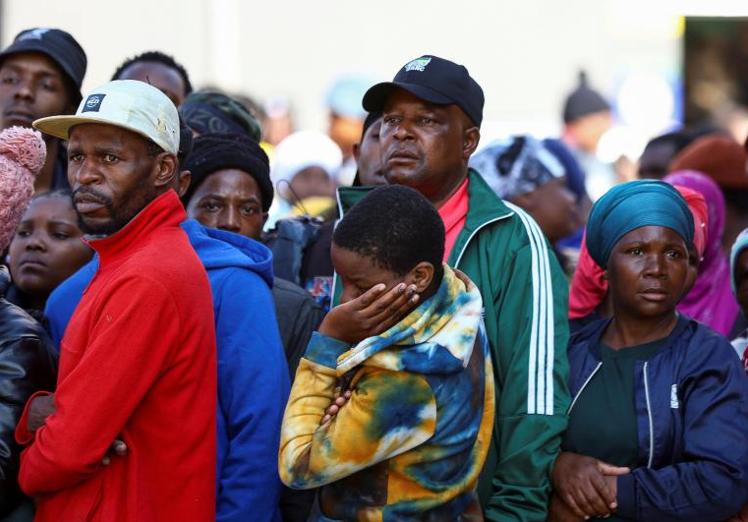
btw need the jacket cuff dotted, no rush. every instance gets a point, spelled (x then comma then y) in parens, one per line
(325, 350)
(23, 435)
(626, 496)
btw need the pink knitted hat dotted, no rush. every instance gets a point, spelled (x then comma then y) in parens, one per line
(22, 155)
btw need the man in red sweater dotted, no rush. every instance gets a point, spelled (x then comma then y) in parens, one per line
(137, 362)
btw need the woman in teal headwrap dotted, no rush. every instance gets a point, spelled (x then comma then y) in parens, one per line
(653, 391)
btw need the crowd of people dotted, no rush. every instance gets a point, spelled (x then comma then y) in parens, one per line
(208, 316)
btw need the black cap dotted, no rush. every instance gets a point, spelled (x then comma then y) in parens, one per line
(434, 80)
(583, 101)
(59, 45)
(214, 152)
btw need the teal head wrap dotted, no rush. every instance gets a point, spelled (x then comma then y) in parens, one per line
(633, 205)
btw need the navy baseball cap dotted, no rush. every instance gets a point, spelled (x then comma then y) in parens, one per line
(434, 80)
(58, 45)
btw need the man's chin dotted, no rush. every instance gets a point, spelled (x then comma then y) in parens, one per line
(407, 177)
(99, 227)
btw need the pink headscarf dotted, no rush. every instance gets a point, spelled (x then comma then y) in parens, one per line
(22, 155)
(711, 300)
(589, 286)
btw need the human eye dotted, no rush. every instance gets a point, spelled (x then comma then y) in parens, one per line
(635, 251)
(49, 85)
(74, 157)
(110, 158)
(675, 253)
(390, 120)
(8, 78)
(249, 210)
(22, 232)
(210, 206)
(426, 120)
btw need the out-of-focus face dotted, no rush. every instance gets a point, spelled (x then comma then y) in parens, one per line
(423, 145)
(741, 278)
(588, 130)
(31, 87)
(648, 272)
(47, 247)
(554, 208)
(165, 78)
(369, 157)
(345, 131)
(310, 182)
(113, 175)
(229, 199)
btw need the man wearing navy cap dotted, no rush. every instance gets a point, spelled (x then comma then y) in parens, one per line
(432, 112)
(40, 75)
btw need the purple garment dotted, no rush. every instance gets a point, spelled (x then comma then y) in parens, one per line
(711, 300)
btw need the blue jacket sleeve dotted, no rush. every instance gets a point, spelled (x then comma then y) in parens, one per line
(710, 481)
(253, 387)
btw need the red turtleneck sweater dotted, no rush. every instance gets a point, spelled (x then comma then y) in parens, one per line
(137, 363)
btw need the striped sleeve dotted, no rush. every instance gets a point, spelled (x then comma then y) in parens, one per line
(531, 371)
(542, 329)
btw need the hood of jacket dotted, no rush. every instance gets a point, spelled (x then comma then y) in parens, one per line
(222, 249)
(436, 338)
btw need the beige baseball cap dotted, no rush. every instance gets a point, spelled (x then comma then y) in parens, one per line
(129, 104)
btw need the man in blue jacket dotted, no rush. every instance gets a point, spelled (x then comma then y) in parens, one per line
(253, 381)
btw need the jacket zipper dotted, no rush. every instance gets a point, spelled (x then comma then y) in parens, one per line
(649, 416)
(472, 234)
(568, 412)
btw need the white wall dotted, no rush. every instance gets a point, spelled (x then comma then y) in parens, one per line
(524, 53)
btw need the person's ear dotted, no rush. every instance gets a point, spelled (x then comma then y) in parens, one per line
(605, 275)
(356, 151)
(185, 178)
(421, 275)
(264, 218)
(470, 140)
(166, 169)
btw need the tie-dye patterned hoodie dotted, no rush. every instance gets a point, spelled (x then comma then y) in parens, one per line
(412, 439)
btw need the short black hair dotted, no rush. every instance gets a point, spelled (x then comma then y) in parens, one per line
(157, 57)
(394, 226)
(64, 193)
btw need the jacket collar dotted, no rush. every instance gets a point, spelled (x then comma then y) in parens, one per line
(165, 210)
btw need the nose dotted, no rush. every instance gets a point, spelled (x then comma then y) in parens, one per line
(83, 173)
(655, 266)
(24, 91)
(229, 220)
(402, 131)
(35, 242)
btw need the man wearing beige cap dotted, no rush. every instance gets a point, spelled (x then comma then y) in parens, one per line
(137, 361)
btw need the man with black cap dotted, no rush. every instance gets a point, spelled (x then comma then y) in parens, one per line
(587, 116)
(432, 112)
(40, 75)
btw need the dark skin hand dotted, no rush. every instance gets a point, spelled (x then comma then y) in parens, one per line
(44, 406)
(369, 314)
(558, 511)
(586, 485)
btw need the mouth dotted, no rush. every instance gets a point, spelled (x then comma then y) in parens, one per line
(85, 205)
(656, 295)
(18, 116)
(32, 263)
(402, 156)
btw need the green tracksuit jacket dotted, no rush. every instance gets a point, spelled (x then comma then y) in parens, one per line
(525, 300)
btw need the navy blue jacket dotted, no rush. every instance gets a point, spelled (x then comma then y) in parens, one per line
(253, 380)
(692, 412)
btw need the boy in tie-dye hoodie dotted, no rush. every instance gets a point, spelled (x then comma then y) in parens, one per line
(407, 342)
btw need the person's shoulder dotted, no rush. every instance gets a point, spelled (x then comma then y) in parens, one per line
(16, 323)
(701, 347)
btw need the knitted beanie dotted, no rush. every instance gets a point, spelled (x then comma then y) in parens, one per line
(583, 101)
(22, 155)
(214, 152)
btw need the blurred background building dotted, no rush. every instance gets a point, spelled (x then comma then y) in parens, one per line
(660, 63)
